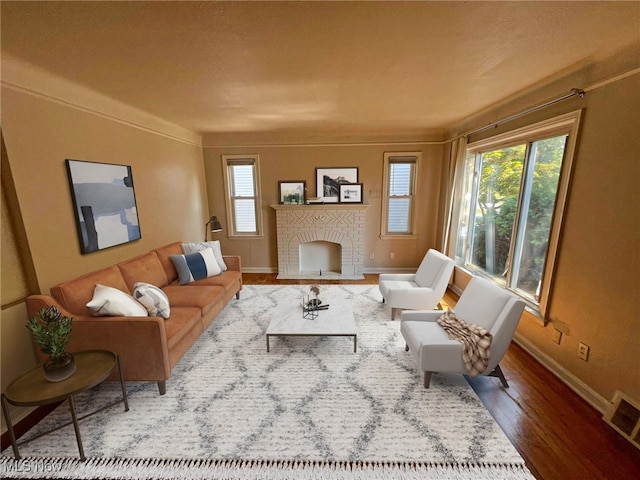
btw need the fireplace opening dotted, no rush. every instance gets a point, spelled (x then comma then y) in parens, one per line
(320, 256)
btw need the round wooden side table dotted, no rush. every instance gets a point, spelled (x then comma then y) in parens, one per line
(32, 389)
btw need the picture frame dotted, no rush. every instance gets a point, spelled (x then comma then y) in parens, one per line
(104, 204)
(350, 193)
(291, 192)
(329, 179)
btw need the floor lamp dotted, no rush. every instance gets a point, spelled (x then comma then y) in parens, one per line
(216, 226)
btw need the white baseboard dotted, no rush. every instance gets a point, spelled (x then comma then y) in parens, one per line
(364, 270)
(388, 270)
(259, 270)
(593, 398)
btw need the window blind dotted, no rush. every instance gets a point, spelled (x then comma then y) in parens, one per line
(401, 172)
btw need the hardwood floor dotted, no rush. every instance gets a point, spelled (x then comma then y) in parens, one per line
(559, 435)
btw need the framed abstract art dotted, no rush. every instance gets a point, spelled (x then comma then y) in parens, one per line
(104, 203)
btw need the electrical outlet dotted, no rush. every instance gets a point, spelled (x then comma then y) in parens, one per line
(371, 256)
(392, 255)
(557, 336)
(583, 351)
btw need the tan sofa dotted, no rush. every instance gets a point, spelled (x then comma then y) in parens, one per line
(149, 347)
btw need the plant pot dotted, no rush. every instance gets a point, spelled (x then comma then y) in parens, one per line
(61, 369)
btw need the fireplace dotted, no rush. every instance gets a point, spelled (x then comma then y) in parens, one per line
(320, 241)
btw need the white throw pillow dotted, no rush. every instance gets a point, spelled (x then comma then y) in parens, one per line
(195, 266)
(152, 298)
(109, 301)
(188, 248)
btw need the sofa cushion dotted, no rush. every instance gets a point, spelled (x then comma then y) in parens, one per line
(75, 294)
(153, 299)
(228, 280)
(184, 321)
(164, 254)
(196, 266)
(202, 297)
(188, 248)
(109, 301)
(144, 268)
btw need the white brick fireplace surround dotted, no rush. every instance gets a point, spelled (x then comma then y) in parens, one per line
(341, 224)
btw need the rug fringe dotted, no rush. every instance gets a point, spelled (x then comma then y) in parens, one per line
(193, 469)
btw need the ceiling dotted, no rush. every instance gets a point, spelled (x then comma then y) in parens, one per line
(335, 68)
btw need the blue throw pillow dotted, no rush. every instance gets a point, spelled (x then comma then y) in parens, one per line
(195, 266)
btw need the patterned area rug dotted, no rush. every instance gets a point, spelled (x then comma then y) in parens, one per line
(310, 408)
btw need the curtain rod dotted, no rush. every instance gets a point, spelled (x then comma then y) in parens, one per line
(575, 92)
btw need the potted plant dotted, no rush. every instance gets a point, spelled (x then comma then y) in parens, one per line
(51, 332)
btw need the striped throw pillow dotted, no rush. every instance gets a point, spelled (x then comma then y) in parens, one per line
(195, 266)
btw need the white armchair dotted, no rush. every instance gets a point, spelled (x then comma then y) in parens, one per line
(421, 290)
(482, 303)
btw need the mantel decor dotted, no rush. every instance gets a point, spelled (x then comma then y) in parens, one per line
(328, 181)
(104, 203)
(350, 193)
(292, 191)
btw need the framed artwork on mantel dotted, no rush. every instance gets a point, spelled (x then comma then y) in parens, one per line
(328, 181)
(350, 193)
(104, 204)
(291, 192)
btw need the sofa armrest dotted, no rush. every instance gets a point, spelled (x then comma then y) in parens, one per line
(141, 342)
(233, 262)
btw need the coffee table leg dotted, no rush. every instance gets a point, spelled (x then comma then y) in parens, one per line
(267, 343)
(76, 427)
(12, 435)
(355, 343)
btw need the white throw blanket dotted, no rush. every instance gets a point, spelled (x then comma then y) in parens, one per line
(476, 341)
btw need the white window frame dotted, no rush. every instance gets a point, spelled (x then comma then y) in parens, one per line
(390, 158)
(567, 124)
(228, 161)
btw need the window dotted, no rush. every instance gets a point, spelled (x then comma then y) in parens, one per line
(512, 193)
(243, 195)
(400, 174)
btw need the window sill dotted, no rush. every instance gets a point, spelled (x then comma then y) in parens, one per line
(245, 237)
(410, 236)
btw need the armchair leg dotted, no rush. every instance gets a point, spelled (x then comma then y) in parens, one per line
(497, 372)
(427, 379)
(406, 347)
(382, 299)
(393, 313)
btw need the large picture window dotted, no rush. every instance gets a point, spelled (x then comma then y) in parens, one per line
(512, 193)
(243, 195)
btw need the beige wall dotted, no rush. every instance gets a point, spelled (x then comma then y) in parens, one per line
(299, 163)
(596, 294)
(40, 133)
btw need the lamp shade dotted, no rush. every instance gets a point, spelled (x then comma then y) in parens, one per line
(215, 224)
